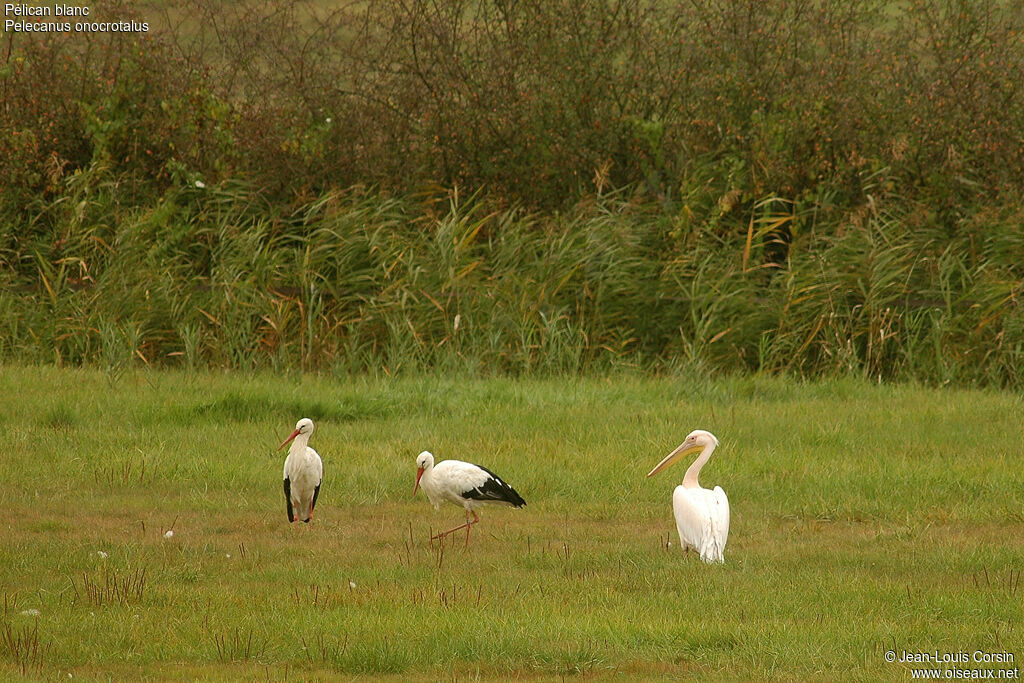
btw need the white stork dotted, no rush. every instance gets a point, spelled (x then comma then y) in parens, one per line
(462, 483)
(303, 471)
(702, 516)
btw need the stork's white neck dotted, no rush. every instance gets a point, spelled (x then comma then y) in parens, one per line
(299, 445)
(690, 479)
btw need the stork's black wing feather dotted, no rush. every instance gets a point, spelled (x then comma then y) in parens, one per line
(494, 489)
(288, 498)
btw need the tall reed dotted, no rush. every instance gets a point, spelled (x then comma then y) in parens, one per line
(358, 281)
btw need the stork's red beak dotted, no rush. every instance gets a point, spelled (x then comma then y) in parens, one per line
(288, 440)
(419, 473)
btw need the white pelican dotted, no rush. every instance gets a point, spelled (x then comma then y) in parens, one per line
(303, 471)
(702, 516)
(463, 484)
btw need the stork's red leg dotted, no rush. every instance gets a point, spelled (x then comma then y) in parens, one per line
(469, 524)
(466, 526)
(441, 535)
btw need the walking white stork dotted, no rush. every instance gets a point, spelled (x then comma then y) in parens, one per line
(462, 483)
(702, 516)
(303, 471)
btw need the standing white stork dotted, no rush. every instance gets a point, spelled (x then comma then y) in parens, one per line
(464, 484)
(702, 516)
(303, 471)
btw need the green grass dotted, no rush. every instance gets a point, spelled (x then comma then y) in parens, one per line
(864, 518)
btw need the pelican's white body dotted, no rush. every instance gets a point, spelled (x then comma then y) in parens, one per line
(304, 470)
(702, 519)
(702, 515)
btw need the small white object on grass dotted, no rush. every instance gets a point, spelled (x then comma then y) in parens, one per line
(102, 554)
(351, 584)
(169, 533)
(200, 184)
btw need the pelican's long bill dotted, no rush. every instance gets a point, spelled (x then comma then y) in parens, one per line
(288, 440)
(419, 473)
(678, 453)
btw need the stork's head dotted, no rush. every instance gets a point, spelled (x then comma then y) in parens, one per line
(424, 461)
(303, 426)
(695, 441)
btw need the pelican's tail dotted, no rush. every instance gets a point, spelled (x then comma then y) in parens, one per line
(711, 552)
(716, 533)
(712, 544)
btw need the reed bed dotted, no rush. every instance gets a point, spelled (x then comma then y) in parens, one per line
(357, 282)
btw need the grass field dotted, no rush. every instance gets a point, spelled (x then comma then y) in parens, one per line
(864, 518)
